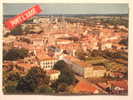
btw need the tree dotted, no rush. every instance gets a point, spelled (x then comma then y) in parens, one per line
(96, 53)
(10, 89)
(35, 78)
(60, 65)
(13, 76)
(25, 40)
(4, 54)
(17, 31)
(67, 76)
(10, 80)
(62, 87)
(16, 53)
(45, 89)
(26, 85)
(39, 75)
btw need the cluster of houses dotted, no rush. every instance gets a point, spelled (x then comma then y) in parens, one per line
(55, 43)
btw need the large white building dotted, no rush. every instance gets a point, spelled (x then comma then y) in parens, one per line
(83, 68)
(46, 62)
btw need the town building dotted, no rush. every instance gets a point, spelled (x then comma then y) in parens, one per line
(47, 63)
(24, 67)
(119, 86)
(84, 68)
(8, 65)
(53, 74)
(63, 41)
(98, 71)
(116, 75)
(106, 46)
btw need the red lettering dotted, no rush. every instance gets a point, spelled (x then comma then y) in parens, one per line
(21, 18)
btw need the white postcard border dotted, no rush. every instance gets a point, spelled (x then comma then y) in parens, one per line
(96, 97)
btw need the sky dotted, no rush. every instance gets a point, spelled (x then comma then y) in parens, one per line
(68, 8)
(67, 1)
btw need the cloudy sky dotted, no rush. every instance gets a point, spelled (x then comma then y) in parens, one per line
(68, 8)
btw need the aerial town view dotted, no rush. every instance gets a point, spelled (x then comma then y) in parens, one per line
(68, 54)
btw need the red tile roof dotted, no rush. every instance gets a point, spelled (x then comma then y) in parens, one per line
(7, 63)
(86, 87)
(117, 74)
(52, 71)
(103, 85)
(42, 57)
(99, 68)
(120, 83)
(78, 61)
(26, 65)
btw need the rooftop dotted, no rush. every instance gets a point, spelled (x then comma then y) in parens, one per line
(7, 63)
(99, 68)
(77, 61)
(52, 71)
(42, 57)
(86, 87)
(121, 83)
(26, 65)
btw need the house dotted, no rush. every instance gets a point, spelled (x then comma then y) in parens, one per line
(25, 66)
(45, 61)
(123, 84)
(119, 86)
(25, 45)
(63, 41)
(117, 74)
(119, 47)
(53, 74)
(35, 29)
(107, 45)
(104, 85)
(99, 71)
(38, 42)
(9, 39)
(8, 65)
(85, 87)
